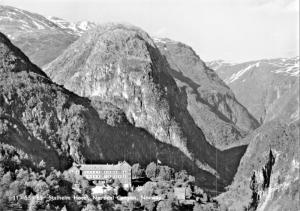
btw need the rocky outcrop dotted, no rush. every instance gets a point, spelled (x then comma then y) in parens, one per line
(273, 158)
(210, 102)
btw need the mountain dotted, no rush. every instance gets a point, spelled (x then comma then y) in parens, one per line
(273, 157)
(50, 123)
(222, 119)
(268, 174)
(41, 38)
(268, 88)
(210, 102)
(121, 65)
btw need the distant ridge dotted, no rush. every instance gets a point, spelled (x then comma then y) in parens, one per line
(42, 39)
(268, 88)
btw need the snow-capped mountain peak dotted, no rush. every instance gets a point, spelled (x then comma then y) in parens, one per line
(17, 21)
(22, 20)
(41, 38)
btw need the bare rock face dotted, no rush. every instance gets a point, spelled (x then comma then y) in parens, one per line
(209, 101)
(50, 123)
(273, 157)
(121, 65)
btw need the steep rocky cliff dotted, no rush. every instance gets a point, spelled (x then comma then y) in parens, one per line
(120, 64)
(209, 101)
(269, 88)
(268, 176)
(53, 124)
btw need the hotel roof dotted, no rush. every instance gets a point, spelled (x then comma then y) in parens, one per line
(120, 165)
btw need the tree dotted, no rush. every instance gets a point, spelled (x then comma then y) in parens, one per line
(182, 175)
(149, 205)
(191, 179)
(200, 194)
(5, 181)
(188, 192)
(108, 206)
(90, 207)
(41, 188)
(42, 165)
(198, 207)
(152, 170)
(22, 175)
(166, 173)
(52, 178)
(133, 205)
(137, 171)
(2, 172)
(15, 188)
(33, 204)
(85, 186)
(149, 188)
(65, 187)
(168, 205)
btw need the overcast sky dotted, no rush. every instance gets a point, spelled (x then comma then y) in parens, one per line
(233, 30)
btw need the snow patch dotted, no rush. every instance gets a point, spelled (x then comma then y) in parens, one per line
(76, 28)
(8, 18)
(292, 70)
(159, 40)
(85, 25)
(39, 26)
(237, 75)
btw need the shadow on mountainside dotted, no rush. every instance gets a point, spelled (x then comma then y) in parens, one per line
(225, 162)
(126, 142)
